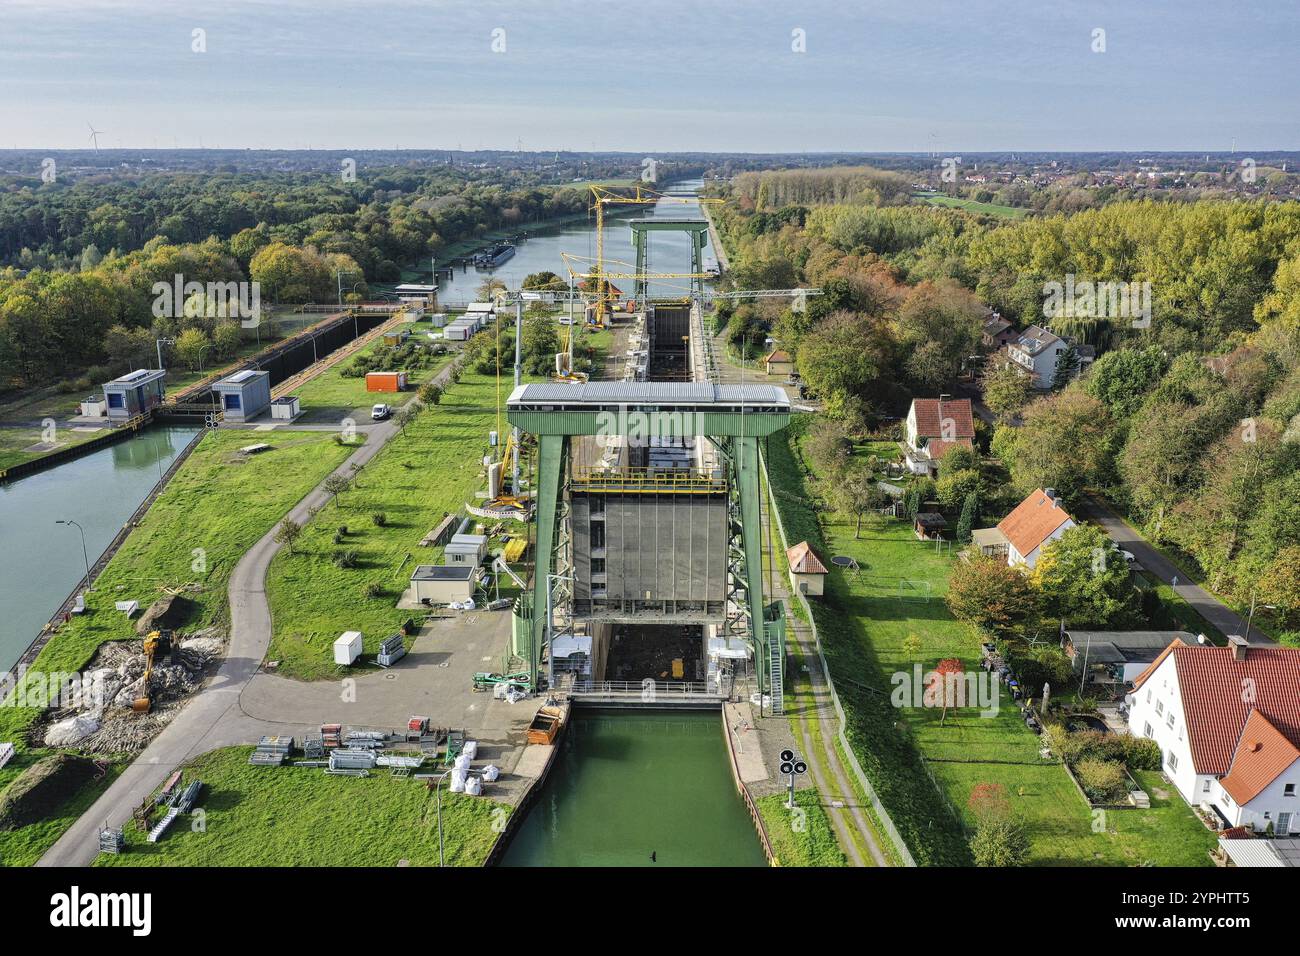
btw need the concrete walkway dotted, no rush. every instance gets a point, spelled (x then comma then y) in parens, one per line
(1203, 602)
(214, 717)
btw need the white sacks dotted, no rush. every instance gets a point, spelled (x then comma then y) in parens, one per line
(470, 748)
(490, 773)
(457, 780)
(474, 786)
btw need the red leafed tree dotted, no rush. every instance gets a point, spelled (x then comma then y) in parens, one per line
(944, 686)
(988, 801)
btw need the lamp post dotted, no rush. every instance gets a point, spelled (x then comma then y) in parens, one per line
(1251, 616)
(84, 556)
(160, 343)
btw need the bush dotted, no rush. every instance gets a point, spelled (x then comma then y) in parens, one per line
(1102, 781)
(374, 589)
(1000, 842)
(345, 559)
(379, 519)
(338, 537)
(1141, 753)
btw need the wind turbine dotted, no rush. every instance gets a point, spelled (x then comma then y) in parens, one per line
(94, 136)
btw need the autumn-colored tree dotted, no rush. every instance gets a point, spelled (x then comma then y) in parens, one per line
(985, 593)
(989, 801)
(945, 685)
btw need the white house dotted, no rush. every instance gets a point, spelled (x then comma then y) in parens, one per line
(935, 426)
(1034, 523)
(1036, 350)
(1227, 720)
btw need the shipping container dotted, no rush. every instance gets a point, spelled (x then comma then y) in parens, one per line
(385, 381)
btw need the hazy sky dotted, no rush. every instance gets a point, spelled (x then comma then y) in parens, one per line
(646, 76)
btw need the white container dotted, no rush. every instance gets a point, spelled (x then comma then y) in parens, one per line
(347, 648)
(470, 749)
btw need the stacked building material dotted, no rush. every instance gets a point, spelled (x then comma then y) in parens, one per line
(313, 746)
(332, 735)
(392, 650)
(190, 797)
(342, 759)
(365, 739)
(271, 751)
(112, 840)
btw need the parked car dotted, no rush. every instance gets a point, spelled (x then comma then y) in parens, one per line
(380, 412)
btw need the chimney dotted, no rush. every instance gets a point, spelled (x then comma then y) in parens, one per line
(1238, 645)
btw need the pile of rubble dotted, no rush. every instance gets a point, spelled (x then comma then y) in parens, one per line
(100, 719)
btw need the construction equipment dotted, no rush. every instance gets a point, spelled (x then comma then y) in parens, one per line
(455, 744)
(155, 644)
(485, 680)
(501, 504)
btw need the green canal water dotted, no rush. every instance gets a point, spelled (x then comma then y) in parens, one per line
(630, 784)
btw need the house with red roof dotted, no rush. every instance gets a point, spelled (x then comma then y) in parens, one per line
(1227, 720)
(807, 573)
(1021, 536)
(935, 426)
(779, 362)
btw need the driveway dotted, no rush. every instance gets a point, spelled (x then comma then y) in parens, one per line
(1205, 604)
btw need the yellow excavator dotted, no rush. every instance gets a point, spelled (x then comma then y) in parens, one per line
(156, 644)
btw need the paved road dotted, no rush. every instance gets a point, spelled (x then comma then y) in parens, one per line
(1207, 605)
(214, 717)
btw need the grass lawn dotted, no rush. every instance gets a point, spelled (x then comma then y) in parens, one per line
(23, 847)
(300, 816)
(218, 502)
(15, 441)
(864, 621)
(331, 395)
(803, 840)
(970, 205)
(432, 470)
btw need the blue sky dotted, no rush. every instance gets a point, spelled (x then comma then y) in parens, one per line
(652, 76)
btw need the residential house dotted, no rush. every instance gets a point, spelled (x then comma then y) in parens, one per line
(1032, 525)
(998, 332)
(1227, 720)
(1117, 657)
(807, 573)
(934, 426)
(778, 362)
(1036, 350)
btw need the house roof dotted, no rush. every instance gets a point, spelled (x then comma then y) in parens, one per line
(1214, 689)
(995, 325)
(1036, 338)
(1124, 647)
(1033, 521)
(936, 448)
(778, 355)
(1262, 753)
(930, 414)
(803, 560)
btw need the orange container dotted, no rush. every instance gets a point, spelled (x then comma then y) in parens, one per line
(385, 381)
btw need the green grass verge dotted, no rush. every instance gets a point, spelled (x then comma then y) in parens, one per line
(213, 510)
(331, 390)
(23, 847)
(805, 838)
(300, 816)
(431, 470)
(14, 443)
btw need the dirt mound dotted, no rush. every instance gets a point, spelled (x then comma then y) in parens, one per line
(44, 787)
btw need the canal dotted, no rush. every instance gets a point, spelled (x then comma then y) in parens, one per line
(41, 562)
(541, 251)
(630, 784)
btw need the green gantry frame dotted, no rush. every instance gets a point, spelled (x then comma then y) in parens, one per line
(697, 229)
(736, 435)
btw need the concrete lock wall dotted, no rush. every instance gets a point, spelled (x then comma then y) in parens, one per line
(663, 554)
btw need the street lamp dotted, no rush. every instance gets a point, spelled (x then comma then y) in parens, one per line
(84, 556)
(159, 343)
(1251, 616)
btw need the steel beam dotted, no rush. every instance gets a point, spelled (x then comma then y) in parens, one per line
(551, 453)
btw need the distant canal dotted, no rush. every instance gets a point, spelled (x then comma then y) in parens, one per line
(540, 252)
(629, 785)
(41, 562)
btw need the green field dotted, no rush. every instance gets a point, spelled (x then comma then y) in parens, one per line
(970, 205)
(864, 620)
(14, 443)
(299, 816)
(23, 847)
(431, 470)
(214, 509)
